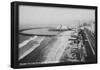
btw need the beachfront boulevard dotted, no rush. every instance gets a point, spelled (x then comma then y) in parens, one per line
(66, 46)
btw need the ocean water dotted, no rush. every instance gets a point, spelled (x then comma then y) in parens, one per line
(44, 31)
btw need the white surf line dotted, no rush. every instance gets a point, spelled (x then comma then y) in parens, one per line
(31, 49)
(26, 41)
(54, 54)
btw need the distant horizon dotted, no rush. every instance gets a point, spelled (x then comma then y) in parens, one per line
(72, 23)
(39, 16)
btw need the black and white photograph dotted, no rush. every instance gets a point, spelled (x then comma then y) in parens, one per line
(47, 34)
(56, 35)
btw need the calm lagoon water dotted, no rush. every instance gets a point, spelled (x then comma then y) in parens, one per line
(41, 32)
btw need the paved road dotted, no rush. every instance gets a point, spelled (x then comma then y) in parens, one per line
(91, 40)
(90, 45)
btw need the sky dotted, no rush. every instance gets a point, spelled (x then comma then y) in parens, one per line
(37, 15)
